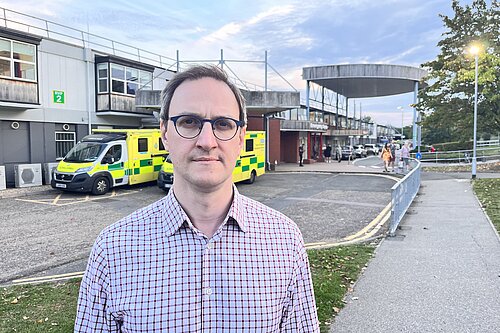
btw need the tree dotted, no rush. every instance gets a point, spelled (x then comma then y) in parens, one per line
(448, 101)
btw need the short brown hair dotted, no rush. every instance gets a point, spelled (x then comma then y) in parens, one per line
(196, 73)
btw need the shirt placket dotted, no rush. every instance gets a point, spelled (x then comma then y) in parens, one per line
(207, 286)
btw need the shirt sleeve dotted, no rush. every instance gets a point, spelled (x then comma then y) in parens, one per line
(93, 314)
(301, 314)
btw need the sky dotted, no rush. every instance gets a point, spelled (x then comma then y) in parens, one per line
(295, 34)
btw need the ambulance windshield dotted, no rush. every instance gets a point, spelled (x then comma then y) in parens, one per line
(84, 152)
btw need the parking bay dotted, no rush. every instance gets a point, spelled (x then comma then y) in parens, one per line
(41, 233)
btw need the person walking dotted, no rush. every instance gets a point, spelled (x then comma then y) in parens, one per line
(393, 154)
(405, 156)
(328, 154)
(301, 155)
(386, 156)
(204, 258)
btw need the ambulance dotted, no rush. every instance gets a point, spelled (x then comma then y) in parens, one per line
(249, 166)
(110, 158)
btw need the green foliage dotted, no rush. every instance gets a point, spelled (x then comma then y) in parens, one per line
(448, 101)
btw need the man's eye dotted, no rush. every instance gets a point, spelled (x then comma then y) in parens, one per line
(188, 122)
(224, 124)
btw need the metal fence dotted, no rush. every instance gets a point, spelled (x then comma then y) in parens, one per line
(484, 154)
(403, 193)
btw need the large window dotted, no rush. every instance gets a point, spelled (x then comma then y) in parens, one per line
(64, 142)
(124, 80)
(17, 60)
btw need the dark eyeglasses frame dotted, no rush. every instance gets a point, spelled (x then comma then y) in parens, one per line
(239, 123)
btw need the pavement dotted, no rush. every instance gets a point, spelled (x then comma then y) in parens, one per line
(440, 273)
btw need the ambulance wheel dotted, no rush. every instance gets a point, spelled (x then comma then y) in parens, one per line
(101, 186)
(253, 175)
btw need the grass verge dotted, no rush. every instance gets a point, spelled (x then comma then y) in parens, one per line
(46, 307)
(51, 307)
(487, 191)
(334, 271)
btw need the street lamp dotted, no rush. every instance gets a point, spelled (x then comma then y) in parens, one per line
(474, 49)
(402, 120)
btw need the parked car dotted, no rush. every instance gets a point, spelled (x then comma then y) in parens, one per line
(371, 149)
(348, 153)
(360, 151)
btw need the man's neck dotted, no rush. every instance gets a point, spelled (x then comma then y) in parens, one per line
(206, 210)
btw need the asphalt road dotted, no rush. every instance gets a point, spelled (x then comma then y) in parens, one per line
(52, 232)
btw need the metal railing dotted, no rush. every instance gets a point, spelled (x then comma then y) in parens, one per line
(461, 156)
(403, 193)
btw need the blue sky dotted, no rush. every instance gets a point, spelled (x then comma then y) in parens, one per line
(296, 34)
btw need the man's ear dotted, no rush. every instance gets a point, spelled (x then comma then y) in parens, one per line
(243, 131)
(163, 130)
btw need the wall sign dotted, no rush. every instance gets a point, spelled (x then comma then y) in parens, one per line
(58, 96)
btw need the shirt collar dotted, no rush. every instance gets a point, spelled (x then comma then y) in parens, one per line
(175, 216)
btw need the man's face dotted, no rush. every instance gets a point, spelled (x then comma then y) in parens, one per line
(203, 162)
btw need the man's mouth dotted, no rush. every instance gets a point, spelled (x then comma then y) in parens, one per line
(205, 159)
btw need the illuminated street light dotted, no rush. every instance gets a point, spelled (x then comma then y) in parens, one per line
(474, 50)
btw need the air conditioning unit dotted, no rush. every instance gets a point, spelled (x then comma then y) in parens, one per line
(27, 175)
(2, 178)
(47, 171)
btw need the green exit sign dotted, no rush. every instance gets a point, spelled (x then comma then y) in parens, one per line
(58, 96)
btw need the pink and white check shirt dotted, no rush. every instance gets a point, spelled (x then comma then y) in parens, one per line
(153, 271)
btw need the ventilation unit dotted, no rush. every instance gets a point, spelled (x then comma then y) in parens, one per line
(47, 171)
(2, 178)
(27, 175)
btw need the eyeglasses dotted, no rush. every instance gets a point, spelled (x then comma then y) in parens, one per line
(189, 126)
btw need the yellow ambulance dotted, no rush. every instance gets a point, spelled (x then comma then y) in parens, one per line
(250, 165)
(110, 158)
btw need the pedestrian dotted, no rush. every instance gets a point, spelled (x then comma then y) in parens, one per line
(204, 258)
(339, 153)
(386, 156)
(328, 154)
(301, 155)
(393, 154)
(405, 156)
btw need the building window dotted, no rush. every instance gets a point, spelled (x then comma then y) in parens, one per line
(102, 77)
(17, 60)
(64, 142)
(124, 80)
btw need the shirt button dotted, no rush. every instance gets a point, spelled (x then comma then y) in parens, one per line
(210, 246)
(208, 291)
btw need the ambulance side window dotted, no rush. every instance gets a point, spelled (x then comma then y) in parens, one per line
(160, 144)
(142, 145)
(249, 145)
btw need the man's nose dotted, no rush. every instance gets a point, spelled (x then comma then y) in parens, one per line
(207, 138)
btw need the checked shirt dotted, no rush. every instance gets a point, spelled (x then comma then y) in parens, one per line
(153, 271)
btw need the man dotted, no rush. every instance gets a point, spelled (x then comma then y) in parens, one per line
(204, 258)
(301, 155)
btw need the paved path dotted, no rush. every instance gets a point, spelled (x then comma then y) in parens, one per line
(441, 273)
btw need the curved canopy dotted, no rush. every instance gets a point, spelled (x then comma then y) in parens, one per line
(366, 80)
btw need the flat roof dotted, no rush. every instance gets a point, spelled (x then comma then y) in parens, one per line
(366, 80)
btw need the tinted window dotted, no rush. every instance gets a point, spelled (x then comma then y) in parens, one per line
(143, 145)
(249, 145)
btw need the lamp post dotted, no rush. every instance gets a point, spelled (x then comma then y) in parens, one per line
(475, 51)
(402, 120)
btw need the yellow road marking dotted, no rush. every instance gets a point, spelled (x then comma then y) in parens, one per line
(371, 224)
(56, 199)
(41, 279)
